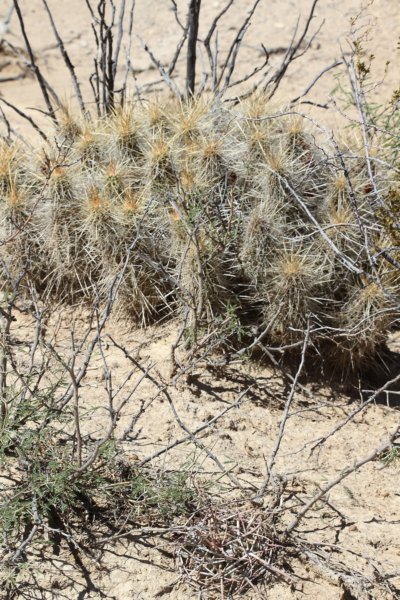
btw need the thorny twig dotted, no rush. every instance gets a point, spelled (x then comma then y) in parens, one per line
(26, 117)
(33, 65)
(285, 416)
(66, 58)
(354, 413)
(345, 473)
(191, 435)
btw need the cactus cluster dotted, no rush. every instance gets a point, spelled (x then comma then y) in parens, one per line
(224, 210)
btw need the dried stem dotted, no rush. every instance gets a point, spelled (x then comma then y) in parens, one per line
(33, 64)
(345, 473)
(285, 416)
(66, 58)
(193, 28)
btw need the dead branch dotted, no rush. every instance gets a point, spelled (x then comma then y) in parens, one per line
(7, 124)
(193, 28)
(118, 43)
(66, 58)
(178, 50)
(164, 74)
(5, 23)
(291, 55)
(254, 72)
(26, 117)
(352, 415)
(233, 51)
(213, 58)
(176, 15)
(236, 404)
(345, 473)
(12, 78)
(115, 285)
(129, 49)
(285, 415)
(103, 78)
(335, 64)
(33, 65)
(192, 437)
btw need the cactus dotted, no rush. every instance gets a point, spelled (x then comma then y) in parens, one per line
(225, 210)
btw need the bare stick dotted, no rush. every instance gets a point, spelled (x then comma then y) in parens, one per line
(163, 389)
(4, 24)
(170, 83)
(119, 38)
(213, 58)
(193, 29)
(129, 47)
(348, 262)
(177, 19)
(359, 99)
(233, 50)
(91, 10)
(8, 318)
(75, 386)
(254, 72)
(12, 78)
(355, 413)
(24, 544)
(285, 415)
(114, 414)
(345, 473)
(27, 117)
(7, 124)
(179, 47)
(115, 285)
(33, 64)
(103, 78)
(66, 58)
(199, 429)
(291, 55)
(335, 64)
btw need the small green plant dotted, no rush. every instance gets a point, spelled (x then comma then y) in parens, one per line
(168, 496)
(390, 457)
(60, 482)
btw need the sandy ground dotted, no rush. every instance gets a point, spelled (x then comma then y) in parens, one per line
(369, 501)
(361, 521)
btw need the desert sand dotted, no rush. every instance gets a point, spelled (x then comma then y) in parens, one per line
(361, 524)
